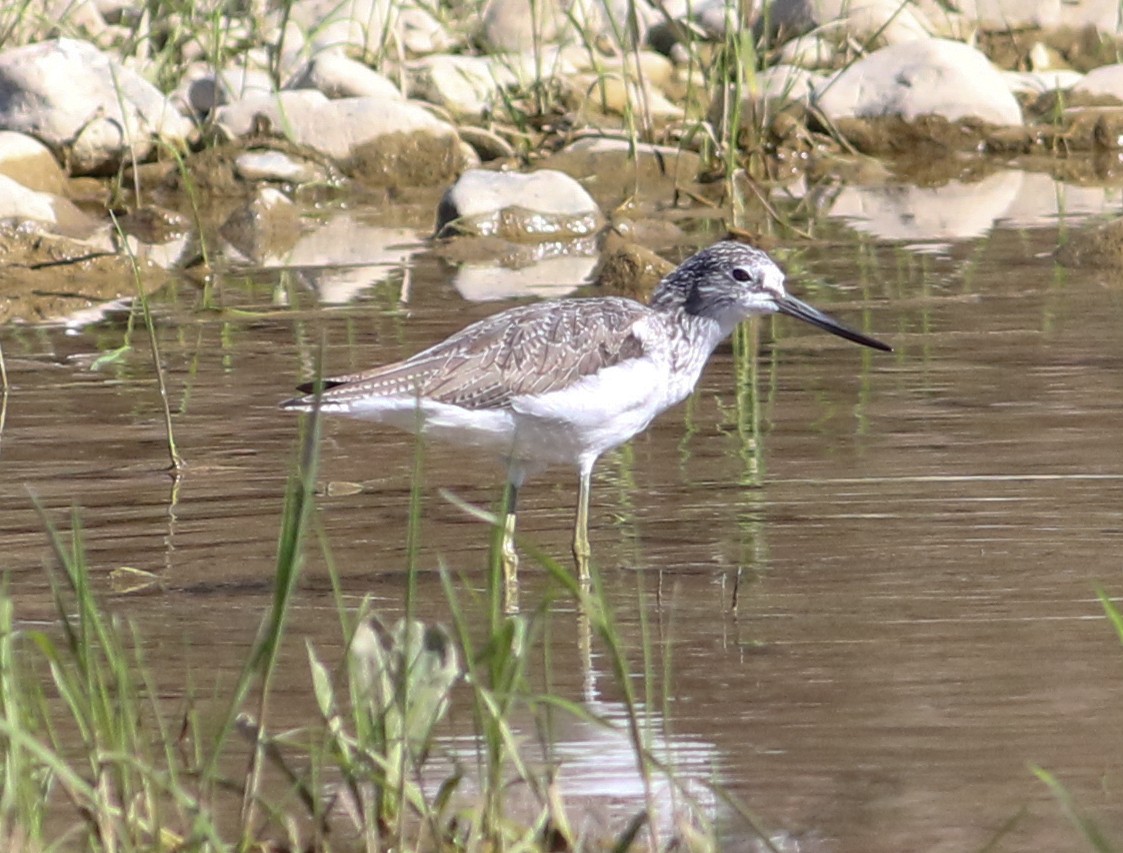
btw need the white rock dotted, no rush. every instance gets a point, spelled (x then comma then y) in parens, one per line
(339, 76)
(201, 89)
(809, 51)
(954, 211)
(275, 166)
(519, 26)
(785, 83)
(551, 277)
(892, 21)
(1012, 14)
(538, 206)
(713, 17)
(615, 94)
(921, 78)
(1039, 82)
(369, 27)
(1044, 202)
(53, 90)
(30, 162)
(344, 257)
(30, 21)
(467, 86)
(620, 23)
(1107, 80)
(268, 223)
(21, 205)
(421, 33)
(335, 128)
(1104, 15)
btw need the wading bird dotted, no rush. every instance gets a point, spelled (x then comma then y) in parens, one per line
(560, 382)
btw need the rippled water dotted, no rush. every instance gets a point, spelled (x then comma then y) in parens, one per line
(913, 541)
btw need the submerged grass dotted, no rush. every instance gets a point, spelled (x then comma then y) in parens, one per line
(91, 756)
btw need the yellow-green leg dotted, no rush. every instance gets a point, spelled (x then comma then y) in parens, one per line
(507, 549)
(581, 550)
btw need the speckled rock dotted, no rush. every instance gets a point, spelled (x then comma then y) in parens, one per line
(66, 91)
(927, 77)
(540, 206)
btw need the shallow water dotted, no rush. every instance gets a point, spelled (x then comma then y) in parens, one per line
(913, 541)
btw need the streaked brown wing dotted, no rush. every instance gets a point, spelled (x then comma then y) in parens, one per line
(532, 349)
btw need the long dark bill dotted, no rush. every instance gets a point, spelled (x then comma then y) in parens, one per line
(802, 311)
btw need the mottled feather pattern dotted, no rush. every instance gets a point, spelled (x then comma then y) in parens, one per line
(521, 351)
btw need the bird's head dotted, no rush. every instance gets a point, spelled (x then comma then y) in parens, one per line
(729, 282)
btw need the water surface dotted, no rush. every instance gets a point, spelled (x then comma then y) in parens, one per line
(913, 542)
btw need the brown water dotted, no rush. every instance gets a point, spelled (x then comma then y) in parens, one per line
(916, 539)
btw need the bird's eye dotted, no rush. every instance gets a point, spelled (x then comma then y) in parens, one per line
(741, 274)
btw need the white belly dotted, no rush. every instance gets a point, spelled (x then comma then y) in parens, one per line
(569, 427)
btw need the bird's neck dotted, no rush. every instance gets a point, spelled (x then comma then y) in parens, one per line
(706, 320)
(691, 339)
(704, 332)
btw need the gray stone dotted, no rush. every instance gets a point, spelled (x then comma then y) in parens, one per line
(540, 206)
(926, 77)
(57, 89)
